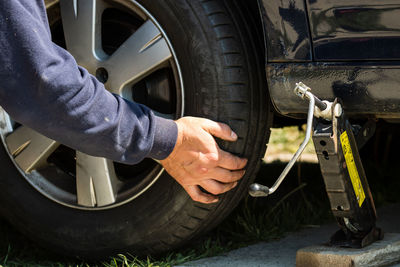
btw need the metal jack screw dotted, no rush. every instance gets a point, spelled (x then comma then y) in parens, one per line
(304, 92)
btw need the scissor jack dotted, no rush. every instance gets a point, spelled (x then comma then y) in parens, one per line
(337, 149)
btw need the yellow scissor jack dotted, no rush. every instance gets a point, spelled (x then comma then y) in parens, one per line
(345, 181)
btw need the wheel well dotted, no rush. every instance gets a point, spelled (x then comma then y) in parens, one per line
(253, 13)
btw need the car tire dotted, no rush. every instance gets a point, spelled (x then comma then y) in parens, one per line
(222, 62)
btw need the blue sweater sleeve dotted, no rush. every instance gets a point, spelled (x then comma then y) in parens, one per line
(42, 86)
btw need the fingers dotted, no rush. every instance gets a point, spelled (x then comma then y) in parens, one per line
(228, 161)
(197, 195)
(197, 162)
(217, 188)
(211, 186)
(220, 130)
(225, 176)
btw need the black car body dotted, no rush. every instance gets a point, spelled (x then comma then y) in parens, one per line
(346, 49)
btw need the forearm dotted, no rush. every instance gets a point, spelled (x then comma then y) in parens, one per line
(42, 87)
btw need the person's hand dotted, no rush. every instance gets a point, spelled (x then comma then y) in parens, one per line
(196, 159)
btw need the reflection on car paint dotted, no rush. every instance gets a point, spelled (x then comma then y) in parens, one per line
(349, 30)
(367, 90)
(287, 33)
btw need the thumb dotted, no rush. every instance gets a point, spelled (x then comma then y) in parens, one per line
(220, 130)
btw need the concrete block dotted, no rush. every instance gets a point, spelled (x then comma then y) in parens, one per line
(381, 253)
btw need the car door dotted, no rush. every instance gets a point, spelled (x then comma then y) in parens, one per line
(354, 30)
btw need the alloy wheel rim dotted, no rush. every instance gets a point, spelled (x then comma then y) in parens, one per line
(99, 183)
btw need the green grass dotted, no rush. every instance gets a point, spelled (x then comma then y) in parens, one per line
(300, 202)
(288, 140)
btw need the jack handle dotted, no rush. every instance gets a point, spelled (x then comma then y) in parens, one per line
(304, 92)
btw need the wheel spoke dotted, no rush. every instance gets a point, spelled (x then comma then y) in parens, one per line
(29, 148)
(140, 54)
(96, 180)
(82, 29)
